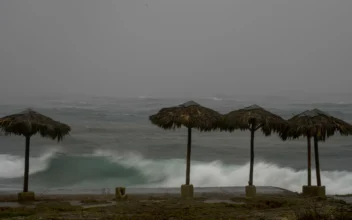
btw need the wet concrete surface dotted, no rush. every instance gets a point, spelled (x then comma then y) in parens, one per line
(347, 199)
(234, 191)
(222, 201)
(98, 205)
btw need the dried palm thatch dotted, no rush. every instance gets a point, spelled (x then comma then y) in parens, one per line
(318, 125)
(29, 123)
(253, 118)
(190, 115)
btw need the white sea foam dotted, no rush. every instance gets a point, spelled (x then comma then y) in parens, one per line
(12, 166)
(171, 173)
(218, 174)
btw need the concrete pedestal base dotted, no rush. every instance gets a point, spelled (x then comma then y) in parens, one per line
(120, 193)
(318, 191)
(251, 191)
(26, 197)
(187, 191)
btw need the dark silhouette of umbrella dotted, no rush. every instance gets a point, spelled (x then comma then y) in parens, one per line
(253, 118)
(190, 115)
(318, 125)
(29, 123)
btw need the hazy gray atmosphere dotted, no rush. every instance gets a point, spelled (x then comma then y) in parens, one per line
(105, 66)
(175, 47)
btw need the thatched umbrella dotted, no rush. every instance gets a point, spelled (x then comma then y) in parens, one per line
(29, 123)
(253, 118)
(191, 115)
(318, 125)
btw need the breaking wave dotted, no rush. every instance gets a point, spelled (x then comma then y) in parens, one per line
(109, 169)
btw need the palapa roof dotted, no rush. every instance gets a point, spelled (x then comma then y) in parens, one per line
(244, 118)
(189, 114)
(29, 122)
(316, 122)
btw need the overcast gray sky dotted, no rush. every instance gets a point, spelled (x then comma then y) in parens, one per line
(175, 47)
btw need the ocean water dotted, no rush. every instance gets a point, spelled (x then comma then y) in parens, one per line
(113, 143)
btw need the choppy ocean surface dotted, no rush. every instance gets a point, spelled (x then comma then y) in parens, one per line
(113, 143)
